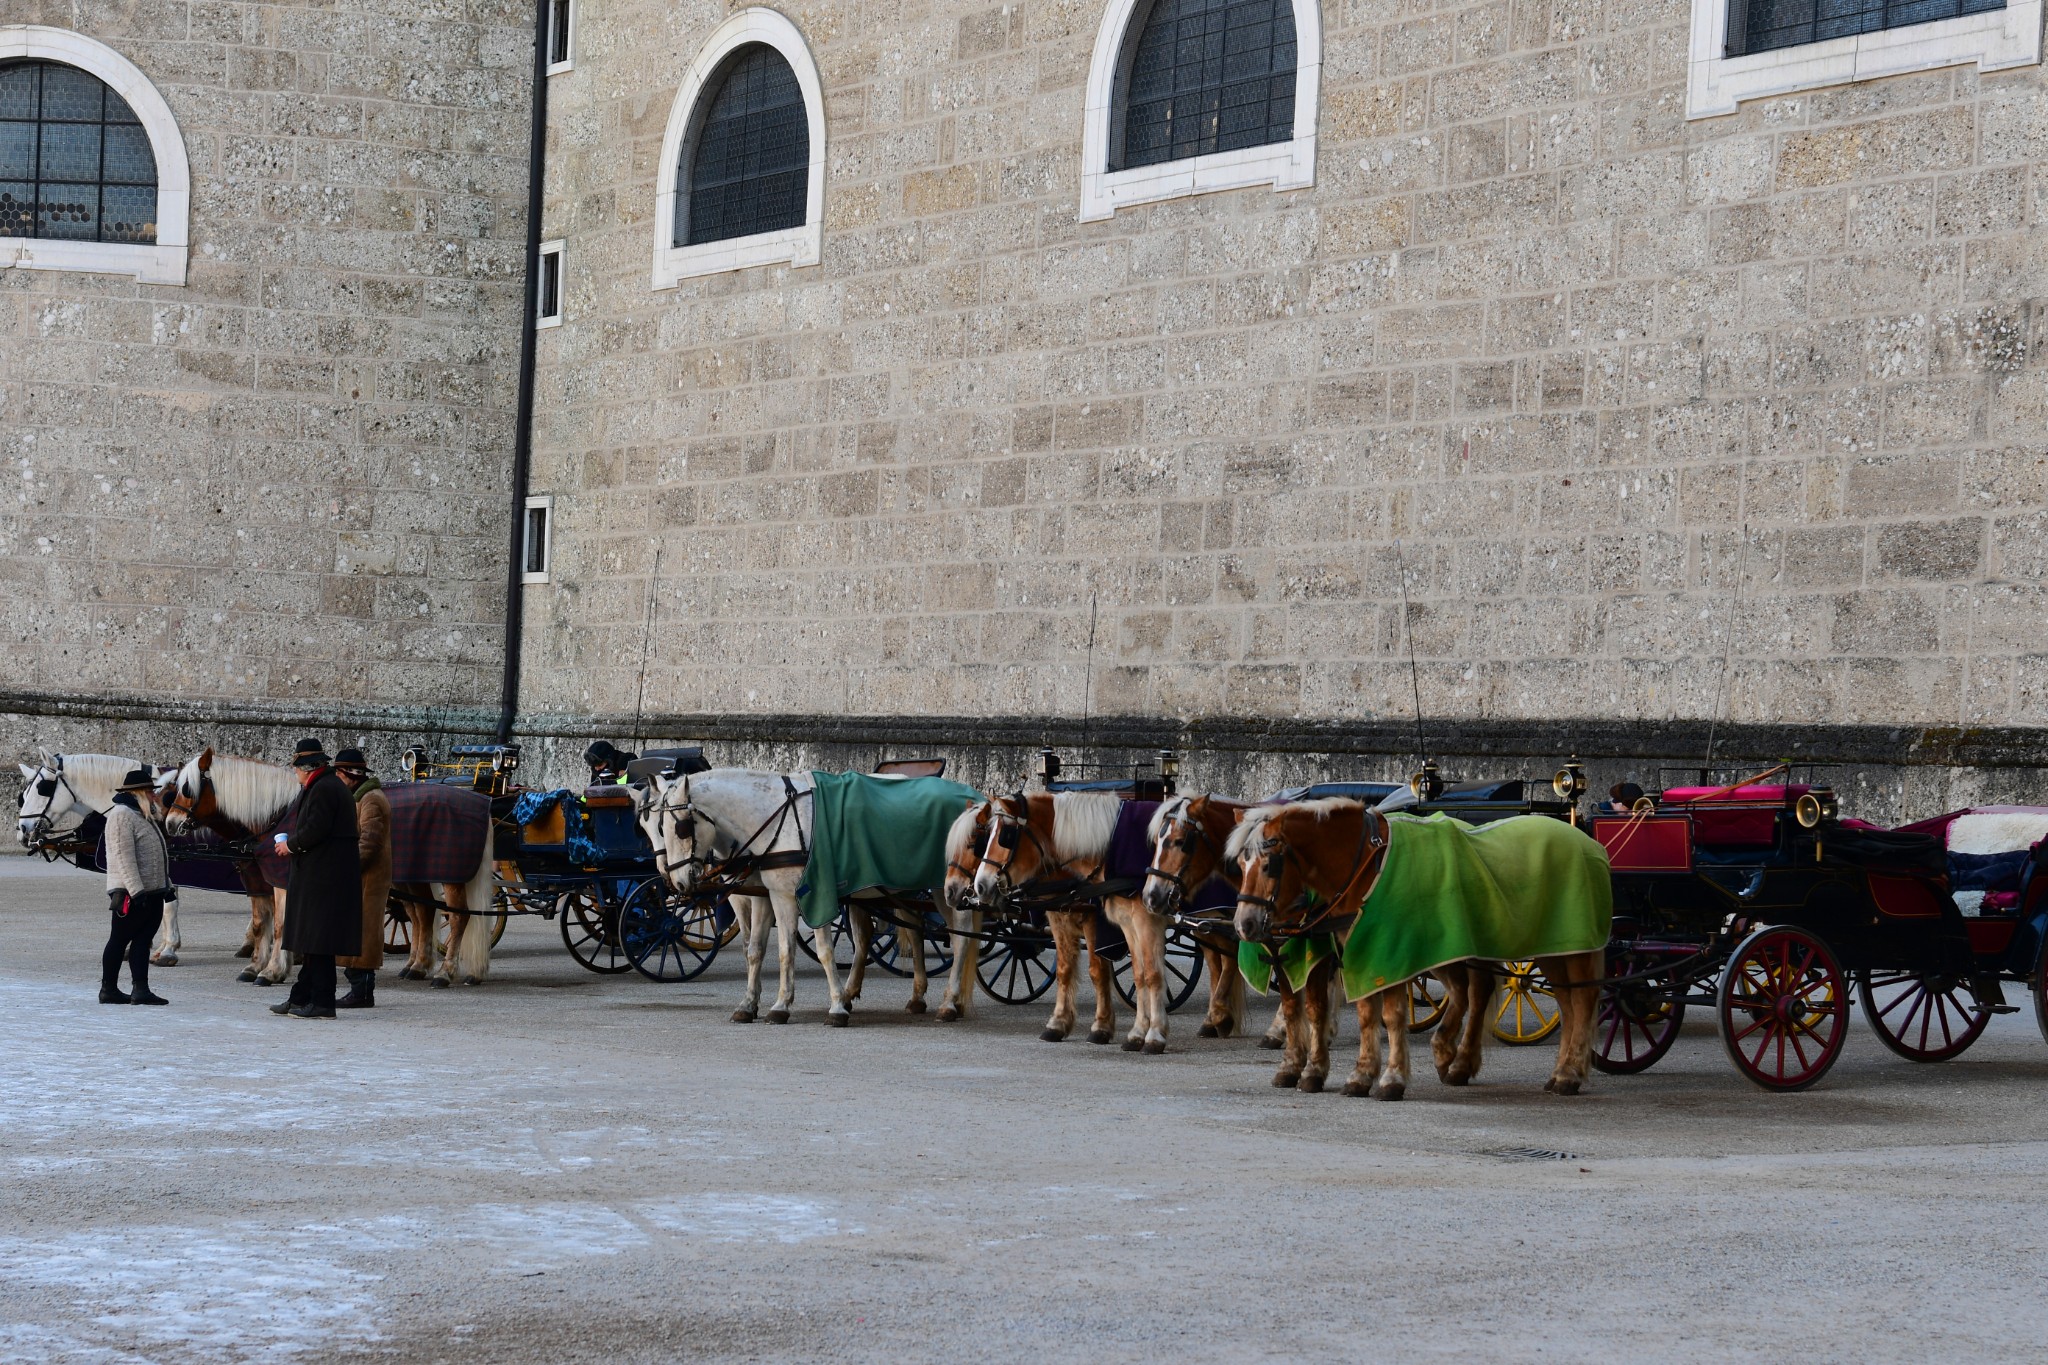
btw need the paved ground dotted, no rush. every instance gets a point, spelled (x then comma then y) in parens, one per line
(560, 1167)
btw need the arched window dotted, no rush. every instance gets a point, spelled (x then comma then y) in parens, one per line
(1189, 96)
(93, 173)
(742, 174)
(750, 153)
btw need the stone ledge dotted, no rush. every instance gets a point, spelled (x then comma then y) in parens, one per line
(397, 720)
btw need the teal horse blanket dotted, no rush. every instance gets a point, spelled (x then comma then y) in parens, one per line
(876, 832)
(1507, 891)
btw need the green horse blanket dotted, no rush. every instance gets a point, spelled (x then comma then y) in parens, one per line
(876, 832)
(1507, 891)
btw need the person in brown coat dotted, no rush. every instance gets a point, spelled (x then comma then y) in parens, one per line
(373, 851)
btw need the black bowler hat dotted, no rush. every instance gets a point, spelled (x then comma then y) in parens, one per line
(309, 754)
(352, 758)
(138, 780)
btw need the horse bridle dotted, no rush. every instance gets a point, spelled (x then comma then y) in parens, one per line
(1009, 832)
(45, 828)
(1273, 855)
(664, 813)
(1194, 839)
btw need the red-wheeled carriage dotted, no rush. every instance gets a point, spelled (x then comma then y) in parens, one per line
(1755, 900)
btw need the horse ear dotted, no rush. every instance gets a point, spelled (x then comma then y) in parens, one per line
(206, 759)
(28, 774)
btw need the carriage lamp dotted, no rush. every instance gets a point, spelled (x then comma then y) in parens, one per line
(1570, 782)
(414, 761)
(1048, 767)
(1169, 768)
(506, 759)
(1812, 808)
(1427, 784)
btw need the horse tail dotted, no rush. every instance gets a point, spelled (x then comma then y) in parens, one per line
(474, 958)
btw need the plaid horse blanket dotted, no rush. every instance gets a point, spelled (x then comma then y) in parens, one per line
(869, 831)
(1514, 889)
(437, 834)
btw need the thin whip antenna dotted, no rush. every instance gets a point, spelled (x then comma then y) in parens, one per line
(1727, 648)
(1088, 683)
(647, 641)
(1414, 674)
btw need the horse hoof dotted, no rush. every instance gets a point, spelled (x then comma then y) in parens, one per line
(914, 1007)
(168, 961)
(1286, 1080)
(1270, 1044)
(441, 983)
(743, 1016)
(839, 1020)
(1099, 1036)
(1207, 1031)
(1563, 1087)
(1357, 1089)
(1155, 1046)
(1310, 1085)
(472, 981)
(947, 1014)
(1130, 1044)
(1390, 1092)
(248, 974)
(1052, 1035)
(246, 950)
(778, 1016)
(1456, 1075)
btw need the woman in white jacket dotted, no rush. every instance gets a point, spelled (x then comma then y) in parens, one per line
(138, 884)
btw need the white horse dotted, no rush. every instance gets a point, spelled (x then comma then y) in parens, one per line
(63, 792)
(757, 815)
(240, 798)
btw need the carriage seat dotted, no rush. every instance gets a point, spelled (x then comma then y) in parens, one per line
(1746, 818)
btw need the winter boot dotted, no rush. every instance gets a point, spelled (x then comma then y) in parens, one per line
(114, 995)
(362, 989)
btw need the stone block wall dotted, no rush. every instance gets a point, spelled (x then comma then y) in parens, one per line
(1656, 419)
(276, 497)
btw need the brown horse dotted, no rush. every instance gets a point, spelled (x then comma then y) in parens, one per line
(963, 860)
(1188, 836)
(1046, 841)
(1308, 867)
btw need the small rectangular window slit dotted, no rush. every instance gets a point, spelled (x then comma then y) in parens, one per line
(561, 33)
(547, 293)
(537, 541)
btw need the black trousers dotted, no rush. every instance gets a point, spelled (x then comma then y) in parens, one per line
(315, 986)
(136, 920)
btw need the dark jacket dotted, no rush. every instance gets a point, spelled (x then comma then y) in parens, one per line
(323, 910)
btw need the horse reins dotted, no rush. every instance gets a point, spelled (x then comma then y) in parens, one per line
(1273, 853)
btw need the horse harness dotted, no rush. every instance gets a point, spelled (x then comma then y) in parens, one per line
(1273, 856)
(738, 872)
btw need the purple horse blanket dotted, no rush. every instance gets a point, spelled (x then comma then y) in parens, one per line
(437, 834)
(1130, 854)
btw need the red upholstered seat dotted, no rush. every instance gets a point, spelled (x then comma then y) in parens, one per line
(1746, 817)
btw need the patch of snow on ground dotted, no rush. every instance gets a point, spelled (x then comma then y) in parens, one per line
(742, 1218)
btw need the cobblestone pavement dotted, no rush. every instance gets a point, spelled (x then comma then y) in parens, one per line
(563, 1167)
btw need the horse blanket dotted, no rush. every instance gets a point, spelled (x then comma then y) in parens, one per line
(1130, 855)
(437, 834)
(1510, 890)
(869, 831)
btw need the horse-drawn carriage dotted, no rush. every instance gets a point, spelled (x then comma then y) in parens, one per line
(1754, 899)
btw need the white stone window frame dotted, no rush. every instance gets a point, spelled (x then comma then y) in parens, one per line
(1715, 83)
(1289, 165)
(566, 9)
(544, 503)
(542, 320)
(161, 262)
(796, 246)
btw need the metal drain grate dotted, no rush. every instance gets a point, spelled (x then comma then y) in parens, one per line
(1533, 1154)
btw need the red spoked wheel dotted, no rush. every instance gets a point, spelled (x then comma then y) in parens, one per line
(1784, 1008)
(1922, 1017)
(1638, 1021)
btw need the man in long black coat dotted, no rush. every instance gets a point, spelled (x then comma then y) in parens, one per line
(323, 908)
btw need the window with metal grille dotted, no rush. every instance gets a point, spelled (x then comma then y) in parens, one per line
(1762, 25)
(1203, 76)
(75, 162)
(749, 164)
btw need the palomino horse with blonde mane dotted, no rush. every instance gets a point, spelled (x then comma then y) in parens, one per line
(242, 799)
(1313, 867)
(1054, 843)
(65, 790)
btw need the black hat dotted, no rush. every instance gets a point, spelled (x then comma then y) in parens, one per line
(352, 758)
(309, 754)
(600, 751)
(138, 780)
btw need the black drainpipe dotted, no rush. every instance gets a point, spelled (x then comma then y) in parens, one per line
(522, 432)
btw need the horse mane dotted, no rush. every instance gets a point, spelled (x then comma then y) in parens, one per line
(960, 833)
(94, 776)
(1082, 823)
(247, 792)
(1252, 826)
(1168, 809)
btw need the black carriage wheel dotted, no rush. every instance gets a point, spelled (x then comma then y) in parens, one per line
(1921, 1017)
(1638, 1022)
(1012, 966)
(885, 952)
(842, 941)
(666, 936)
(590, 931)
(1784, 1008)
(1182, 970)
(397, 929)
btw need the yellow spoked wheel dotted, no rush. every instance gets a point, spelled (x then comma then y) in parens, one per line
(1524, 1010)
(1426, 998)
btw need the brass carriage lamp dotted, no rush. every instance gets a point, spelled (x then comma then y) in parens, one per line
(414, 761)
(1428, 784)
(1048, 767)
(1169, 769)
(1570, 784)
